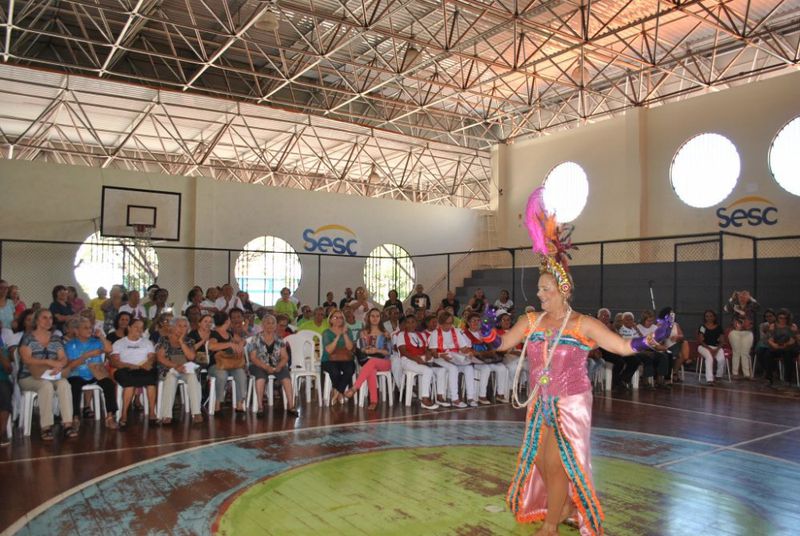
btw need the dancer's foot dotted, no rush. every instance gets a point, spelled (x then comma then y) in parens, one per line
(569, 515)
(547, 530)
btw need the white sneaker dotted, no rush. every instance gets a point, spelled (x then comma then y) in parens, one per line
(483, 402)
(431, 406)
(443, 403)
(459, 404)
(474, 404)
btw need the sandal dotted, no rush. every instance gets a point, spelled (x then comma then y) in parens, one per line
(197, 418)
(350, 393)
(47, 435)
(88, 413)
(111, 424)
(123, 423)
(70, 432)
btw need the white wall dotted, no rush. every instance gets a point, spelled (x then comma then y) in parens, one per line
(58, 202)
(628, 160)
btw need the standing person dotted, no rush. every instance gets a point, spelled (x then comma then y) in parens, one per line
(420, 300)
(348, 297)
(451, 301)
(41, 351)
(285, 305)
(375, 345)
(337, 356)
(60, 307)
(394, 301)
(558, 424)
(710, 339)
(744, 308)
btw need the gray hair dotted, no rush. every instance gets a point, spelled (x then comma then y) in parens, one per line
(175, 319)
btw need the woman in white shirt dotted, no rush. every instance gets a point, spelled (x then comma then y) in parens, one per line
(361, 305)
(504, 302)
(134, 359)
(452, 350)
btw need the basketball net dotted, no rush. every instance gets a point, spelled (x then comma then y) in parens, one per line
(143, 243)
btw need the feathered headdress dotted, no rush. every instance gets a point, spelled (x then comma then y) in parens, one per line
(550, 240)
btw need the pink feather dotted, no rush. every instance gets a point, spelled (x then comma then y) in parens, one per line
(534, 220)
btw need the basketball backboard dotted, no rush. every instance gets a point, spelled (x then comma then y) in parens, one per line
(123, 208)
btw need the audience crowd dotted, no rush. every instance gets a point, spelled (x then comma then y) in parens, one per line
(126, 343)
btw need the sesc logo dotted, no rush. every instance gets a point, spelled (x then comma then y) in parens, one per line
(320, 241)
(766, 214)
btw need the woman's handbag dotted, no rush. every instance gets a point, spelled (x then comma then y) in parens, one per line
(341, 354)
(99, 371)
(228, 360)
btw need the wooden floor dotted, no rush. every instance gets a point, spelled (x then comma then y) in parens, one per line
(707, 442)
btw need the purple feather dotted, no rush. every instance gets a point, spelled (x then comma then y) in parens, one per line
(534, 221)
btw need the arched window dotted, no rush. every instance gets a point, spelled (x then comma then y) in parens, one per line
(266, 265)
(705, 170)
(104, 262)
(389, 267)
(784, 157)
(565, 191)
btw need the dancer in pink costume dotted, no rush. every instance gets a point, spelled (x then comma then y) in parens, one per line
(553, 479)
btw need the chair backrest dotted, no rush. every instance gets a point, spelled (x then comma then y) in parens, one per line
(304, 345)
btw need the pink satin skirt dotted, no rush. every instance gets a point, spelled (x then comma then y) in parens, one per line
(571, 420)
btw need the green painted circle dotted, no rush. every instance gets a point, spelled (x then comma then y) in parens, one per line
(454, 491)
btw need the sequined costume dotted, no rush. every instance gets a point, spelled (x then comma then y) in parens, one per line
(564, 403)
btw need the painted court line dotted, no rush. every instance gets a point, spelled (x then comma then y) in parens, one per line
(735, 446)
(696, 412)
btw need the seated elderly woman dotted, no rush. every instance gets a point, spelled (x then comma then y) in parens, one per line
(375, 347)
(452, 350)
(317, 324)
(86, 355)
(134, 359)
(227, 359)
(175, 355)
(269, 357)
(492, 362)
(43, 359)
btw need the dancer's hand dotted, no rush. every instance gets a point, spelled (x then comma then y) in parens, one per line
(488, 321)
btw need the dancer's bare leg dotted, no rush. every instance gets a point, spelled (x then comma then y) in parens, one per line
(548, 461)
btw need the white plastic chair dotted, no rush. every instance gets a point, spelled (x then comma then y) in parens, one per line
(252, 398)
(305, 358)
(409, 377)
(97, 399)
(212, 391)
(181, 387)
(385, 389)
(141, 391)
(702, 362)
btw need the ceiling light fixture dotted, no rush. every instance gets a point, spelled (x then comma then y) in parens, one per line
(270, 20)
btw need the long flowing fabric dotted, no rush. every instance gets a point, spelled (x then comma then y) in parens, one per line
(567, 410)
